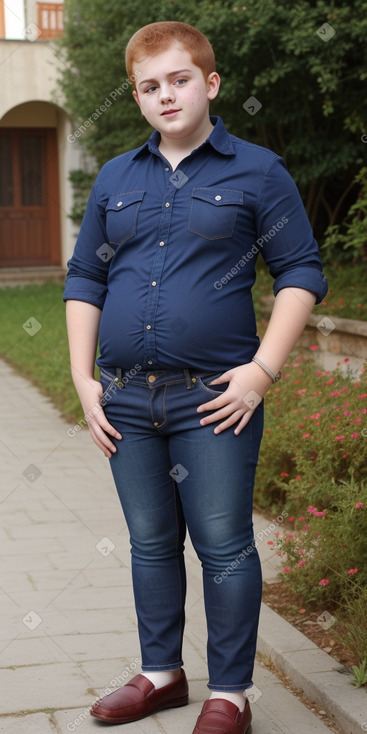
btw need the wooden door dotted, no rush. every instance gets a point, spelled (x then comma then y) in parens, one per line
(29, 198)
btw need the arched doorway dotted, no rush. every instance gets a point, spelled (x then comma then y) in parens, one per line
(29, 193)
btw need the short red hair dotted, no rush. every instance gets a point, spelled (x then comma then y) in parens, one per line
(156, 37)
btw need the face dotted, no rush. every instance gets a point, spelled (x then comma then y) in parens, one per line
(172, 93)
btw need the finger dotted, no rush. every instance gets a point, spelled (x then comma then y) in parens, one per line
(108, 449)
(218, 415)
(243, 422)
(101, 420)
(218, 402)
(229, 422)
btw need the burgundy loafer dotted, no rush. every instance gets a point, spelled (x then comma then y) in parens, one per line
(219, 716)
(139, 698)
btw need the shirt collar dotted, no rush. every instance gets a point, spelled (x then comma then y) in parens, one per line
(219, 139)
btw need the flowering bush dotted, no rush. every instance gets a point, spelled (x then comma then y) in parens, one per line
(315, 436)
(313, 463)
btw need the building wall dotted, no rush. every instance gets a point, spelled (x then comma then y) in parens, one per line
(28, 80)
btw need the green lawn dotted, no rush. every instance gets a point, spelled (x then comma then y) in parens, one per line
(34, 333)
(33, 340)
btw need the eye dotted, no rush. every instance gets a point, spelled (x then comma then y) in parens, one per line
(150, 89)
(180, 80)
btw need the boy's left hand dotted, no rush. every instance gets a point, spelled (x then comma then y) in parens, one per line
(248, 384)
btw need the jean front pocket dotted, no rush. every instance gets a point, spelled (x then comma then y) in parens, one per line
(213, 211)
(204, 378)
(121, 216)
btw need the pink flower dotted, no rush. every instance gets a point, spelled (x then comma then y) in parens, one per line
(298, 477)
(286, 569)
(301, 392)
(301, 517)
(319, 514)
(339, 438)
(358, 505)
(270, 542)
(301, 611)
(300, 425)
(362, 396)
(314, 348)
(324, 582)
(354, 435)
(301, 563)
(345, 455)
(357, 420)
(330, 382)
(316, 415)
(289, 536)
(335, 394)
(291, 518)
(284, 474)
(306, 435)
(347, 412)
(305, 527)
(311, 509)
(352, 570)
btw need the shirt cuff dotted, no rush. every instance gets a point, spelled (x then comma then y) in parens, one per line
(311, 279)
(78, 288)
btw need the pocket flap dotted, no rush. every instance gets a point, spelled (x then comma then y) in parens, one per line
(217, 196)
(121, 201)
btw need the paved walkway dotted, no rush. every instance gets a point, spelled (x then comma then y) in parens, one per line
(68, 628)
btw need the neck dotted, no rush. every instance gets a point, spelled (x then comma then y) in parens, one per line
(188, 143)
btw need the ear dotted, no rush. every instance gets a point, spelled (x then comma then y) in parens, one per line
(213, 84)
(135, 95)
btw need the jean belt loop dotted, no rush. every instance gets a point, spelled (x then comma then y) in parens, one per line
(188, 378)
(118, 378)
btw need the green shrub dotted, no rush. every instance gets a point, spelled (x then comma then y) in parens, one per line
(315, 434)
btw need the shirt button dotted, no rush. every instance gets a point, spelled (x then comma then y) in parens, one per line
(119, 203)
(149, 326)
(166, 168)
(156, 423)
(152, 378)
(218, 198)
(154, 282)
(161, 244)
(167, 203)
(150, 361)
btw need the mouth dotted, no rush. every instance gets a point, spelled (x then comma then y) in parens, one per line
(170, 113)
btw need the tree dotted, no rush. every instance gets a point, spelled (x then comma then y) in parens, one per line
(308, 77)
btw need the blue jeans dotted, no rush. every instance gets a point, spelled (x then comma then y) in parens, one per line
(171, 473)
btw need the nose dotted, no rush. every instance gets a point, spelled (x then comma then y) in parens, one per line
(166, 93)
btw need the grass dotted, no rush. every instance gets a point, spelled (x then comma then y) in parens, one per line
(41, 353)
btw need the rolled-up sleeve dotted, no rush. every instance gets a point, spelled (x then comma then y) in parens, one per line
(86, 279)
(285, 235)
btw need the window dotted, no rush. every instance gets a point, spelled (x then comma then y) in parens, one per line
(50, 19)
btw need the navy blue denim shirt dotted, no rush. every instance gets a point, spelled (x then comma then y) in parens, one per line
(169, 257)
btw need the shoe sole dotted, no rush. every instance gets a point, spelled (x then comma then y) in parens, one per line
(126, 720)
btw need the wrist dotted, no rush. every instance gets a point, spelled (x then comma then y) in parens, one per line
(273, 376)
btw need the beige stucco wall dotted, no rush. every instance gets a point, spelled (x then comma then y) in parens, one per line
(28, 77)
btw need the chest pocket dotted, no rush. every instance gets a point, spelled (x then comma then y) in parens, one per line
(213, 211)
(121, 216)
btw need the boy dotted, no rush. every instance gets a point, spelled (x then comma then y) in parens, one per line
(163, 269)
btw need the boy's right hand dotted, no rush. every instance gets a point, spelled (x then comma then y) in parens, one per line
(90, 392)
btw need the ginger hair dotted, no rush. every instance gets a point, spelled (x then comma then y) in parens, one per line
(153, 38)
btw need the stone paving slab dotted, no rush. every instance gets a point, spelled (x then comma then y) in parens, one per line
(68, 624)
